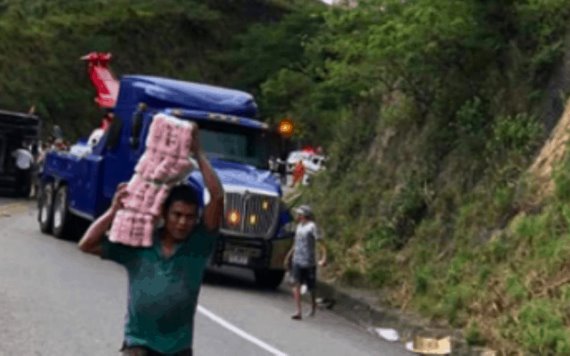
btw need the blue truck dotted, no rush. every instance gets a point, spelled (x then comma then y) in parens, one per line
(75, 188)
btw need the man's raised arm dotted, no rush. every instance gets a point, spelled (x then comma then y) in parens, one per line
(92, 240)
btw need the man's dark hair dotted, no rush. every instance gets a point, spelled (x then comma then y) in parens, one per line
(183, 193)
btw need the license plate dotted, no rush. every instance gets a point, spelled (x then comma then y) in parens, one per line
(237, 258)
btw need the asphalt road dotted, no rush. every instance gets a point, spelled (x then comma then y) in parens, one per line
(55, 300)
(4, 201)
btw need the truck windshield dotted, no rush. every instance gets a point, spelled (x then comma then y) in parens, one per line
(236, 144)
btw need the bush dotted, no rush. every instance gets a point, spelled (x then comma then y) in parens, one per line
(473, 334)
(519, 134)
(423, 277)
(542, 330)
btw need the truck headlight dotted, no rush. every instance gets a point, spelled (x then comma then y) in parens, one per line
(233, 217)
(253, 219)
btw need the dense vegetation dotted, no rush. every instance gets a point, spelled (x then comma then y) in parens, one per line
(41, 42)
(431, 112)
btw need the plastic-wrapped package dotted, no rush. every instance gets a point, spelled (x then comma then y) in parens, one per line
(172, 140)
(127, 226)
(142, 230)
(163, 169)
(156, 207)
(150, 198)
(170, 135)
(137, 232)
(131, 228)
(136, 190)
(120, 231)
(114, 234)
(184, 165)
(156, 132)
(145, 163)
(166, 160)
(142, 164)
(185, 142)
(148, 227)
(154, 158)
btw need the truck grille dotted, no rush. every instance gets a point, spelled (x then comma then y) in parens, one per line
(257, 214)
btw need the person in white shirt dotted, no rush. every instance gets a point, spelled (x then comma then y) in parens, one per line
(23, 162)
(24, 158)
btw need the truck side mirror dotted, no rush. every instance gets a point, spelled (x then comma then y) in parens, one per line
(137, 126)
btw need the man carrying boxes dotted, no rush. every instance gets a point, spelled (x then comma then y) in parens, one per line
(165, 272)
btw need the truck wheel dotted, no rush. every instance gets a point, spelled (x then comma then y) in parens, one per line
(45, 208)
(63, 222)
(267, 278)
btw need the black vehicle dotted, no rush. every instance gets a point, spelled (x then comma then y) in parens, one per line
(16, 130)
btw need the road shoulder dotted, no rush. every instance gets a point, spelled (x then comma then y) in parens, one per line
(359, 306)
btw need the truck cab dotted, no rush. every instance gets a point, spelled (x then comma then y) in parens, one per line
(77, 185)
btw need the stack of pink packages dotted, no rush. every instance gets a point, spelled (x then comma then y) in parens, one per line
(167, 160)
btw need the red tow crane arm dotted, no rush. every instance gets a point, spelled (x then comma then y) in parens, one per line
(102, 78)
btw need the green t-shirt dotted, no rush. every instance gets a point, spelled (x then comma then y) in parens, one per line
(163, 292)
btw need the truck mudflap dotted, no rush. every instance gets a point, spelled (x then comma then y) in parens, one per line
(279, 250)
(252, 253)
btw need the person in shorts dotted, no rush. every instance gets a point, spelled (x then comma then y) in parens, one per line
(302, 259)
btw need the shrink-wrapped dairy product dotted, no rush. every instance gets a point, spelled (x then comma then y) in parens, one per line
(166, 160)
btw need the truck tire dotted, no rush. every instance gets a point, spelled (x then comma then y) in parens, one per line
(45, 208)
(269, 278)
(63, 220)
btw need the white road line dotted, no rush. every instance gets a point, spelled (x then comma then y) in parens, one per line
(239, 331)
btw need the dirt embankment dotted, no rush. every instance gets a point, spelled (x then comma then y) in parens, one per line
(552, 152)
(555, 115)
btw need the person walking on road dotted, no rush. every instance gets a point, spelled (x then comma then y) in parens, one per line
(164, 279)
(301, 259)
